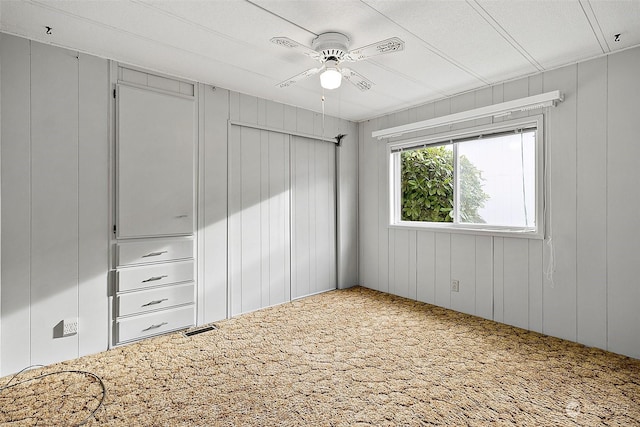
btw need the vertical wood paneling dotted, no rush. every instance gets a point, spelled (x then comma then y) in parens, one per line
(304, 121)
(259, 232)
(93, 196)
(347, 197)
(484, 277)
(463, 102)
(300, 226)
(442, 108)
(513, 90)
(311, 168)
(248, 106)
(591, 216)
(235, 219)
(54, 214)
(535, 87)
(383, 209)
(498, 279)
(265, 213)
(426, 266)
(623, 204)
(443, 270)
(369, 209)
(313, 217)
(425, 112)
(290, 118)
(234, 106)
(250, 155)
(16, 198)
(391, 261)
(516, 282)
(463, 269)
(324, 216)
(559, 315)
(535, 285)
(498, 97)
(279, 184)
(400, 264)
(214, 153)
(279, 249)
(413, 273)
(483, 97)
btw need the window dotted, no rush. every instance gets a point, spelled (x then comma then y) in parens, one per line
(486, 180)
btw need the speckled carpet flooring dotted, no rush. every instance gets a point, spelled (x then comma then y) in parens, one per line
(345, 358)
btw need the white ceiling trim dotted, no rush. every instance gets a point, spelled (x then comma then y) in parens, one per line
(595, 25)
(431, 48)
(505, 35)
(281, 18)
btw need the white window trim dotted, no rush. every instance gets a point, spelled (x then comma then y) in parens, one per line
(479, 229)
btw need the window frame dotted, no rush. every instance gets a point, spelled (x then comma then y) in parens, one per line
(443, 138)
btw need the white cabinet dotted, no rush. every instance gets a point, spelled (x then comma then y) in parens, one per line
(155, 163)
(154, 286)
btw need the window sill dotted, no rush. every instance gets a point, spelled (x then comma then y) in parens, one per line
(474, 230)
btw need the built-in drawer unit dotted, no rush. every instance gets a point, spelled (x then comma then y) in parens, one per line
(155, 323)
(132, 303)
(151, 251)
(154, 288)
(146, 276)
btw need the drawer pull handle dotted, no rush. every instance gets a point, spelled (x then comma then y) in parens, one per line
(158, 301)
(154, 278)
(154, 254)
(155, 326)
(182, 216)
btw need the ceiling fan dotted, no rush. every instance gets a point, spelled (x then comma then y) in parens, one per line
(331, 50)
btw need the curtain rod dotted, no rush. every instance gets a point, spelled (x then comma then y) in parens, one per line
(335, 140)
(547, 99)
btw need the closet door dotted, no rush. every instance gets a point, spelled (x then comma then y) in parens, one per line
(313, 217)
(259, 227)
(155, 163)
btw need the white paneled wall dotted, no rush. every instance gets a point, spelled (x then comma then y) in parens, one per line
(55, 202)
(55, 157)
(592, 292)
(623, 204)
(212, 204)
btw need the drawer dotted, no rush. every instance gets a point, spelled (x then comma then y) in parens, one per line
(155, 299)
(133, 278)
(158, 322)
(132, 253)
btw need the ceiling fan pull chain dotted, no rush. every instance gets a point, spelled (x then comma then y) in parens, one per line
(323, 113)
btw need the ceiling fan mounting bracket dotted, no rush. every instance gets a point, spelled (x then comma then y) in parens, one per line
(331, 45)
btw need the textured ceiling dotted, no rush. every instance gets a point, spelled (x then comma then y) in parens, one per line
(450, 46)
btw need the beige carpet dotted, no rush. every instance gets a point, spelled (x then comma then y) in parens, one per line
(345, 358)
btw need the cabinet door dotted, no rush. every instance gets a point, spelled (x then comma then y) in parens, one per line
(155, 163)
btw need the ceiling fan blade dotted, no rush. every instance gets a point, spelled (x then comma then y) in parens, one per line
(292, 44)
(356, 79)
(298, 77)
(394, 44)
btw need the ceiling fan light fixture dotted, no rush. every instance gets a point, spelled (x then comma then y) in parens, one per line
(331, 77)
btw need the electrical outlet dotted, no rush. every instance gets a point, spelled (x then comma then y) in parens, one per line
(455, 286)
(69, 326)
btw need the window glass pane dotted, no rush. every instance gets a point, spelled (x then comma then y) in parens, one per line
(497, 180)
(426, 180)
